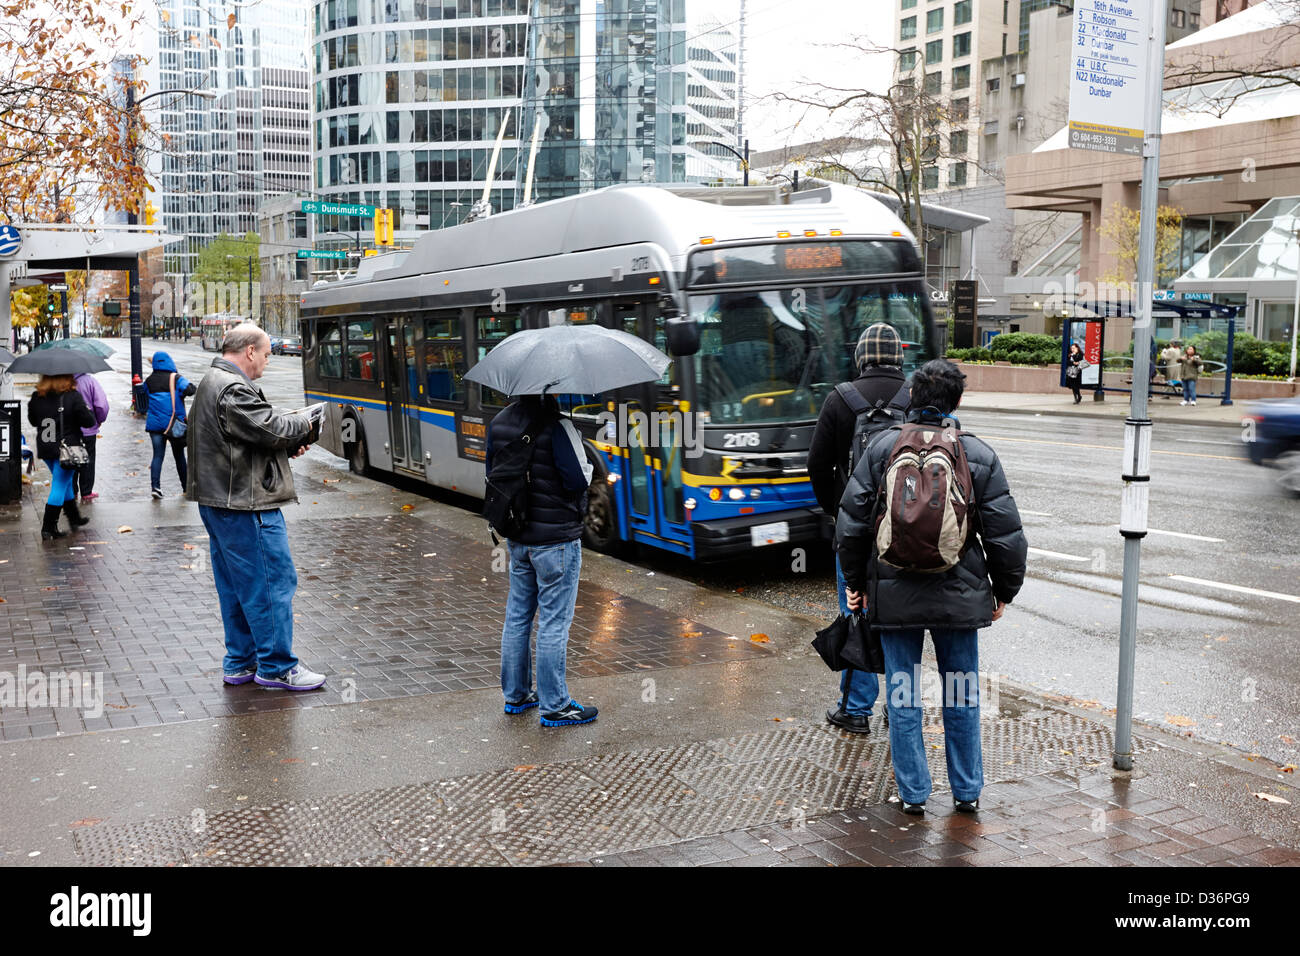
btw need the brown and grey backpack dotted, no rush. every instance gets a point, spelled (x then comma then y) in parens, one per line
(924, 513)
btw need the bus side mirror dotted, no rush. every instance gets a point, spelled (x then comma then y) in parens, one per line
(682, 331)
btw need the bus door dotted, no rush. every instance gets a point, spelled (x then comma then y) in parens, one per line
(400, 392)
(651, 494)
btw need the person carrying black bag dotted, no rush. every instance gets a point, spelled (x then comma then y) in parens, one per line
(59, 413)
(536, 497)
(881, 386)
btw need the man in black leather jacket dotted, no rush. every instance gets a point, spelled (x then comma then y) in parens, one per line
(239, 449)
(952, 605)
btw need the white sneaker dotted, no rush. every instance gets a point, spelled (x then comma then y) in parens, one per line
(1193, 401)
(1183, 402)
(297, 679)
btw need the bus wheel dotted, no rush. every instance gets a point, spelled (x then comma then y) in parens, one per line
(358, 461)
(600, 526)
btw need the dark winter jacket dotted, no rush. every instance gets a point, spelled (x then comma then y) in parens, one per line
(43, 413)
(557, 499)
(828, 455)
(160, 395)
(992, 567)
(239, 445)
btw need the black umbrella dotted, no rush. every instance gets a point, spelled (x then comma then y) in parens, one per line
(58, 362)
(850, 643)
(568, 359)
(6, 356)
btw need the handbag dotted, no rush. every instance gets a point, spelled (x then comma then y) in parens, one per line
(176, 427)
(70, 456)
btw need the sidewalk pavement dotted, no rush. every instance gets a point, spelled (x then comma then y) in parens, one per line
(710, 749)
(1160, 409)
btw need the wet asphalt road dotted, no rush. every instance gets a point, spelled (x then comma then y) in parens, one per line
(1214, 663)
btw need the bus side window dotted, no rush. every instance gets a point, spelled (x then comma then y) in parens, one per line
(491, 328)
(331, 350)
(444, 359)
(361, 349)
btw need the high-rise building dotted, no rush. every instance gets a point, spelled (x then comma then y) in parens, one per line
(410, 95)
(710, 108)
(220, 159)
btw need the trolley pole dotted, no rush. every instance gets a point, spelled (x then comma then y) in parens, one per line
(1136, 476)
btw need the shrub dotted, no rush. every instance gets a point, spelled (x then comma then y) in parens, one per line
(1026, 348)
(970, 355)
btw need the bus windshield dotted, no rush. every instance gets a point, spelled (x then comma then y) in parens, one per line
(772, 356)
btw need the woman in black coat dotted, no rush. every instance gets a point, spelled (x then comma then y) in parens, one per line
(59, 413)
(1075, 363)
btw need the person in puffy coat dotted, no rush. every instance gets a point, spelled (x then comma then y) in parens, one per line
(952, 605)
(164, 411)
(59, 413)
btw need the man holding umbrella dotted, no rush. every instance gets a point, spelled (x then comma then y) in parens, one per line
(546, 547)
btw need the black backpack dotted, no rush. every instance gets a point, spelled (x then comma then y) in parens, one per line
(508, 484)
(872, 419)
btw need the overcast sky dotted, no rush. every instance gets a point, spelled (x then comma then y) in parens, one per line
(789, 44)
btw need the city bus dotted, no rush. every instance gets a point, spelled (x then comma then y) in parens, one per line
(759, 296)
(213, 328)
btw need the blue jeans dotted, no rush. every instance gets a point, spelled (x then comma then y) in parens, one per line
(60, 483)
(160, 442)
(858, 689)
(255, 580)
(958, 658)
(1189, 389)
(543, 581)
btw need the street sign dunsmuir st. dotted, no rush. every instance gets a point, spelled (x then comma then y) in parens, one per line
(337, 208)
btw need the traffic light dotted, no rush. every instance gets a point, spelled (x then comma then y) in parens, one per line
(383, 227)
(150, 213)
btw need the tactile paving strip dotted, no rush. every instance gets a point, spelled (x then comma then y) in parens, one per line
(577, 809)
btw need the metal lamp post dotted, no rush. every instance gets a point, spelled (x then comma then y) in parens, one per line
(133, 275)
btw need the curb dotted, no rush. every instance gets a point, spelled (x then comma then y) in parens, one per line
(1100, 416)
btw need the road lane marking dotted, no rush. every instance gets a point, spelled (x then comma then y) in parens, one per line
(1057, 554)
(1236, 587)
(1180, 534)
(1075, 444)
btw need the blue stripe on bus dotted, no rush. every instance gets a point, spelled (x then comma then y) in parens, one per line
(440, 418)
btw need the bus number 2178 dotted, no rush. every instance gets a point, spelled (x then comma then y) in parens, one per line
(740, 440)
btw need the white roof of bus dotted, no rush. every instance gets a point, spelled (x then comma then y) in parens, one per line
(624, 215)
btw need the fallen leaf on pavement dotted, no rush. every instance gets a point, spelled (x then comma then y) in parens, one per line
(760, 638)
(524, 767)
(1178, 720)
(1288, 768)
(88, 822)
(1270, 798)
(408, 507)
(1285, 738)
(125, 529)
(188, 547)
(291, 760)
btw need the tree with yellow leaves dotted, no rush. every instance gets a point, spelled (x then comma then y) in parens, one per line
(66, 146)
(1122, 227)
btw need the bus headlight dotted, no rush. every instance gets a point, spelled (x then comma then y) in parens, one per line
(612, 478)
(736, 494)
(754, 492)
(690, 504)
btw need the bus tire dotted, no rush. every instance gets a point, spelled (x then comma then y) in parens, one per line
(600, 524)
(358, 460)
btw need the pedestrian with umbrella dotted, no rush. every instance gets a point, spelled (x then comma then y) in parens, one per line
(59, 413)
(536, 496)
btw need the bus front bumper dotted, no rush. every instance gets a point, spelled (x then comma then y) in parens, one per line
(733, 537)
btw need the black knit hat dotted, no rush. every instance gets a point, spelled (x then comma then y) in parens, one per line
(878, 345)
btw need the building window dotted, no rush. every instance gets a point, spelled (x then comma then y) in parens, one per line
(934, 21)
(957, 174)
(961, 45)
(960, 110)
(930, 177)
(934, 82)
(994, 84)
(957, 142)
(908, 30)
(961, 13)
(960, 77)
(930, 148)
(1006, 9)
(1178, 18)
(1004, 44)
(907, 61)
(934, 51)
(1194, 19)
(909, 4)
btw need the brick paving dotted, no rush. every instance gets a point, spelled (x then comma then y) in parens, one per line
(387, 607)
(1060, 818)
